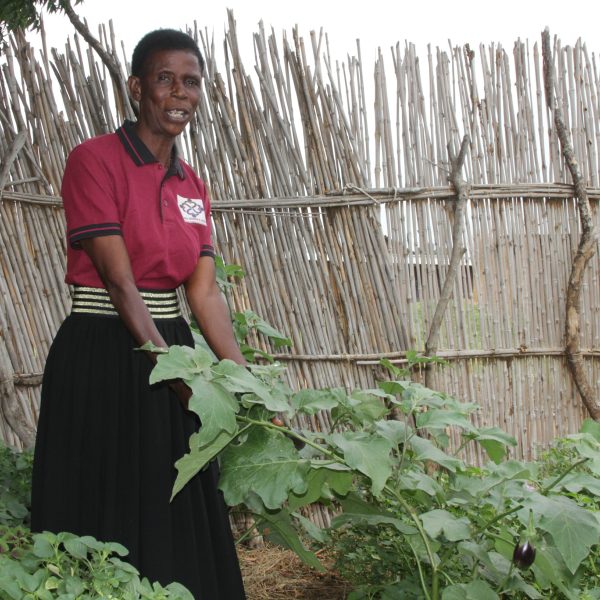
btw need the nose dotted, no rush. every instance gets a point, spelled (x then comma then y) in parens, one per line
(178, 89)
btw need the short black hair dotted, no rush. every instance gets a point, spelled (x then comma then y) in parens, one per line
(162, 39)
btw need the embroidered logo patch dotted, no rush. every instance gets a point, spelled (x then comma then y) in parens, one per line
(192, 210)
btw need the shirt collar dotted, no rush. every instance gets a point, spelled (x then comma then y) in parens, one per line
(140, 153)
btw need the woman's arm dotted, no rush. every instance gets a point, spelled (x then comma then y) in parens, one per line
(211, 311)
(109, 256)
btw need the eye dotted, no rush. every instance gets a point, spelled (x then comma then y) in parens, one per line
(192, 82)
(163, 77)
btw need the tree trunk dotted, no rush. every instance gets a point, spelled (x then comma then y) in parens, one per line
(585, 249)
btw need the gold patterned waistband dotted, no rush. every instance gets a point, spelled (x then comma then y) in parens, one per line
(162, 304)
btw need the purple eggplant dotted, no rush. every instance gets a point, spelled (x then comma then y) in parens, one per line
(524, 555)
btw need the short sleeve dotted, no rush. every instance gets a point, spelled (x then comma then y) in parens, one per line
(89, 197)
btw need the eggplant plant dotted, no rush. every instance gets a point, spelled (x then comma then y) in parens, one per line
(456, 525)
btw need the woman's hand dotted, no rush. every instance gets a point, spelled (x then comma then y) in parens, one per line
(183, 392)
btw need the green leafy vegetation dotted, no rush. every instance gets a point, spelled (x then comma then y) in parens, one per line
(413, 520)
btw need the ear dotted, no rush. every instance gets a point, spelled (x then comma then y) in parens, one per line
(135, 87)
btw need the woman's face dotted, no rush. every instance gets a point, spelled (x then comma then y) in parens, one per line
(168, 92)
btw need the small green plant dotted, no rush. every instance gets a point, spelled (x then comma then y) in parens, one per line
(68, 567)
(15, 486)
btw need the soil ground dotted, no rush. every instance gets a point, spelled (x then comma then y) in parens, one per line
(273, 573)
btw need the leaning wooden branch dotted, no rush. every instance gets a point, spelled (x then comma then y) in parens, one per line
(13, 152)
(585, 249)
(458, 248)
(108, 59)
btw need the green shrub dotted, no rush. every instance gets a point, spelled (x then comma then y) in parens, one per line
(68, 567)
(413, 520)
(15, 486)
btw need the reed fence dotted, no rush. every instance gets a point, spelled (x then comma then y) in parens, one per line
(330, 188)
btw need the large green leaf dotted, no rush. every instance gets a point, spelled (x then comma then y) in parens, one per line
(355, 508)
(314, 531)
(181, 362)
(412, 394)
(395, 431)
(356, 504)
(367, 406)
(440, 521)
(494, 441)
(515, 470)
(574, 530)
(312, 401)
(320, 483)
(550, 570)
(251, 319)
(278, 528)
(215, 406)
(494, 449)
(417, 480)
(592, 427)
(442, 418)
(575, 482)
(189, 464)
(476, 590)
(369, 454)
(236, 378)
(267, 464)
(496, 565)
(587, 446)
(376, 519)
(426, 450)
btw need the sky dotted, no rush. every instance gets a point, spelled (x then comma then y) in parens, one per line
(378, 23)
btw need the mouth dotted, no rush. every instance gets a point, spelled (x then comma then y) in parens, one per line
(177, 114)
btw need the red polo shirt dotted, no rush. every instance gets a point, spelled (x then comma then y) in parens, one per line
(113, 185)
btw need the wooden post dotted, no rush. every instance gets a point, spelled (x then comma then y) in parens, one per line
(458, 248)
(587, 241)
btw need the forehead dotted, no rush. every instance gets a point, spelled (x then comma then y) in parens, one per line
(172, 60)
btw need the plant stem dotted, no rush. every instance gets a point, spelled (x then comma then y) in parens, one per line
(464, 443)
(423, 585)
(242, 430)
(292, 433)
(249, 530)
(434, 575)
(505, 581)
(561, 477)
(448, 578)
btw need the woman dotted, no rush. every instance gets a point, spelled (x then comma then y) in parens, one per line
(138, 226)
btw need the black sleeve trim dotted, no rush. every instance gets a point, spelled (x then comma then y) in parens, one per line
(207, 251)
(93, 230)
(94, 226)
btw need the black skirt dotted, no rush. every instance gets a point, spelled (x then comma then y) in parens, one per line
(104, 460)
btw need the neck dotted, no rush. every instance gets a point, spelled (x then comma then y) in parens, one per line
(161, 147)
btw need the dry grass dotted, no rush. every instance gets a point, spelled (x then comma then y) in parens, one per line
(272, 573)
